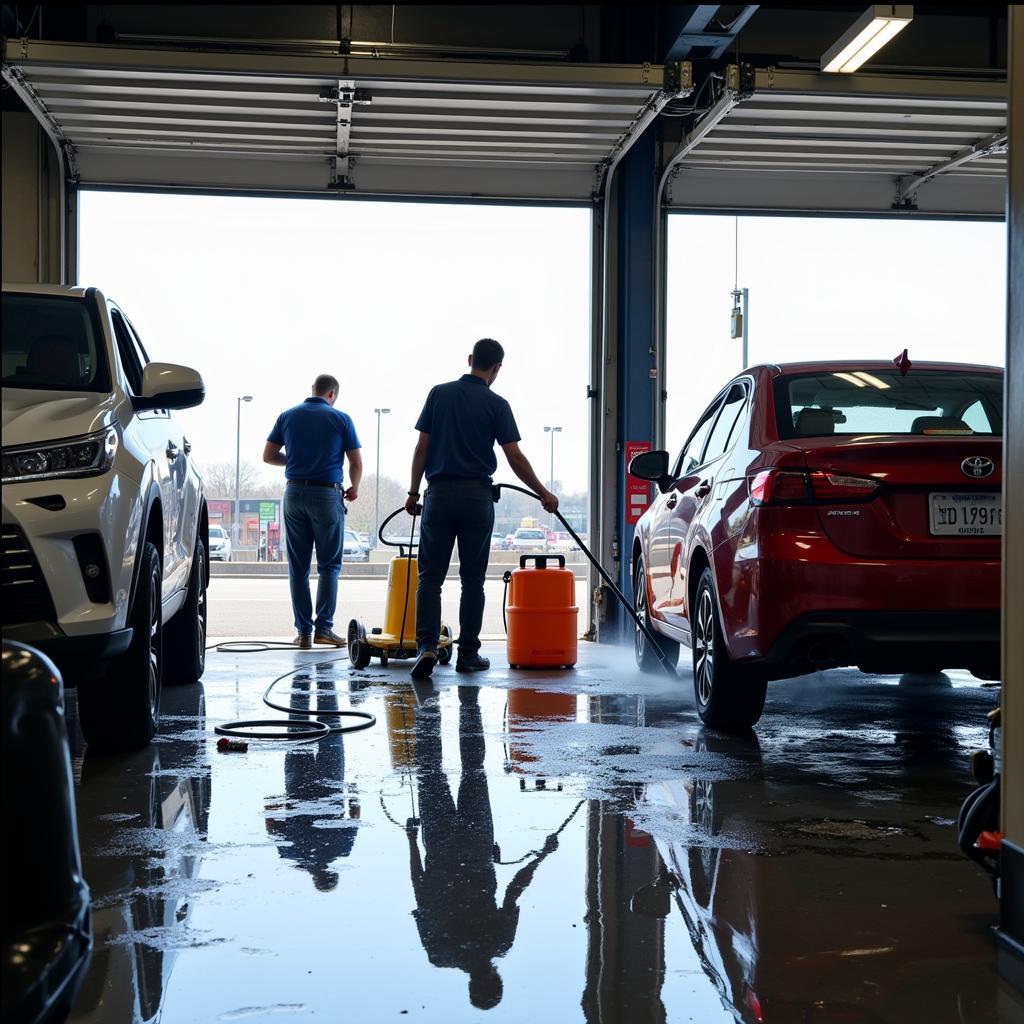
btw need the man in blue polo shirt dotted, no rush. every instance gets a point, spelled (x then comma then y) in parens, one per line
(459, 425)
(316, 439)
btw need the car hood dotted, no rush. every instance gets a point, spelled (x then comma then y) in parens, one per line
(32, 417)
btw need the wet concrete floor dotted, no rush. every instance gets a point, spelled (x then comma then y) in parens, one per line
(558, 846)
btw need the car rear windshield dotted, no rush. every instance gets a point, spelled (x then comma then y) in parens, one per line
(928, 403)
(530, 534)
(50, 343)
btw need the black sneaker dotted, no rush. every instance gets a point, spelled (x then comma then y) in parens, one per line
(472, 663)
(424, 665)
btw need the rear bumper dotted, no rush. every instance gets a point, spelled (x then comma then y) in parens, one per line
(75, 656)
(774, 583)
(888, 642)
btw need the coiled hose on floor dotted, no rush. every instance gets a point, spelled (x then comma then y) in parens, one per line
(304, 727)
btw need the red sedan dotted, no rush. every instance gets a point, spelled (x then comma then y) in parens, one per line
(826, 514)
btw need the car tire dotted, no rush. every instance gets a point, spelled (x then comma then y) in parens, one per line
(647, 659)
(121, 710)
(728, 698)
(185, 634)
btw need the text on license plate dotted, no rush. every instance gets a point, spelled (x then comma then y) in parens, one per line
(966, 514)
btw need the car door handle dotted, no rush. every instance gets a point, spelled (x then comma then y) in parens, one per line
(187, 446)
(703, 489)
(172, 450)
(672, 502)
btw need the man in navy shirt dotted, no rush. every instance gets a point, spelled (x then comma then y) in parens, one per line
(316, 439)
(459, 425)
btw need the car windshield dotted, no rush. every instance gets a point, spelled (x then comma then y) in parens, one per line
(352, 536)
(530, 535)
(49, 344)
(925, 403)
(216, 531)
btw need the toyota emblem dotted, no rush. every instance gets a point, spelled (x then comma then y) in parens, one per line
(977, 466)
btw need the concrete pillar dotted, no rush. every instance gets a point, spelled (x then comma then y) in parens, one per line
(628, 389)
(1011, 929)
(31, 225)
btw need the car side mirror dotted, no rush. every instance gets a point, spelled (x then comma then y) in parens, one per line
(651, 466)
(170, 386)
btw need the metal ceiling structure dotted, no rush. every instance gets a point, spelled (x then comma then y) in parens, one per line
(777, 139)
(315, 123)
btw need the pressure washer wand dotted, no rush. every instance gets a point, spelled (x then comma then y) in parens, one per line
(641, 625)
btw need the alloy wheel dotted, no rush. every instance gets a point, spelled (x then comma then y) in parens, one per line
(201, 623)
(639, 638)
(154, 644)
(704, 648)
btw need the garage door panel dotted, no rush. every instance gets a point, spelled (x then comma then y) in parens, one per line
(872, 142)
(362, 123)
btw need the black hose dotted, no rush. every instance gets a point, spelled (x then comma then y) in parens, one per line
(304, 729)
(506, 577)
(641, 625)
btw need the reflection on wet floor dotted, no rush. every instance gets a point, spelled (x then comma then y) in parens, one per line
(543, 847)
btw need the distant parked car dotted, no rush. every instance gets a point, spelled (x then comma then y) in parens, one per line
(561, 541)
(220, 544)
(104, 517)
(497, 542)
(355, 550)
(821, 515)
(528, 538)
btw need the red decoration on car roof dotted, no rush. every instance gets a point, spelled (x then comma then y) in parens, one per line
(903, 363)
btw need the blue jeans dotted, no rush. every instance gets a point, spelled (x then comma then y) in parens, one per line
(313, 517)
(454, 511)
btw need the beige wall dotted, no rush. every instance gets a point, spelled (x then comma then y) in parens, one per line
(31, 202)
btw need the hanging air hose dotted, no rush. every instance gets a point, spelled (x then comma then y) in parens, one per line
(640, 624)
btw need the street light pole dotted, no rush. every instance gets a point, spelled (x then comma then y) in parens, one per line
(376, 486)
(238, 464)
(551, 480)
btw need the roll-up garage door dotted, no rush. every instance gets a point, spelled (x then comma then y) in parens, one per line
(366, 125)
(775, 139)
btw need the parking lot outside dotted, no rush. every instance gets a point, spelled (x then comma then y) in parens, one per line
(261, 607)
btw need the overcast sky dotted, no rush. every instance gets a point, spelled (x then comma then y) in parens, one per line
(260, 295)
(827, 288)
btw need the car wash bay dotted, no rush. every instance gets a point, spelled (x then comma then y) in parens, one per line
(562, 845)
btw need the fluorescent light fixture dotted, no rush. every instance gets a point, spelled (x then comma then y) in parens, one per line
(875, 382)
(868, 34)
(850, 379)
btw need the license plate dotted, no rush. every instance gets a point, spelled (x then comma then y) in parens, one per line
(966, 515)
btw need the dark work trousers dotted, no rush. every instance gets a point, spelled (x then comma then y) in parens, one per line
(454, 511)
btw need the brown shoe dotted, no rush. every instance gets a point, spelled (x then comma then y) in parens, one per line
(329, 637)
(303, 641)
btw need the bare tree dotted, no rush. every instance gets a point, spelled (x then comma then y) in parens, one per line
(361, 511)
(219, 481)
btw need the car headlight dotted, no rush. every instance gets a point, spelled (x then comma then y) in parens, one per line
(89, 455)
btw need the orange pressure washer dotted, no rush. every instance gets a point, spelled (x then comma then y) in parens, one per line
(397, 637)
(609, 582)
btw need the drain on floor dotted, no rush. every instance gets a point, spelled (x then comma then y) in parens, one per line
(827, 828)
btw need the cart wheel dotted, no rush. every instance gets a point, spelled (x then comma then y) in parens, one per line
(384, 658)
(444, 654)
(358, 648)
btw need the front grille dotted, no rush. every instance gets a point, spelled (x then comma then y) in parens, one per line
(25, 595)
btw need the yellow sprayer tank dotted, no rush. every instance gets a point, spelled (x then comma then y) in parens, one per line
(401, 572)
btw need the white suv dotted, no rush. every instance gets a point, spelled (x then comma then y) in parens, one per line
(220, 544)
(104, 519)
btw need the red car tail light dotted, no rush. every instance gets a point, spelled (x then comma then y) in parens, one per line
(778, 487)
(787, 487)
(828, 486)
